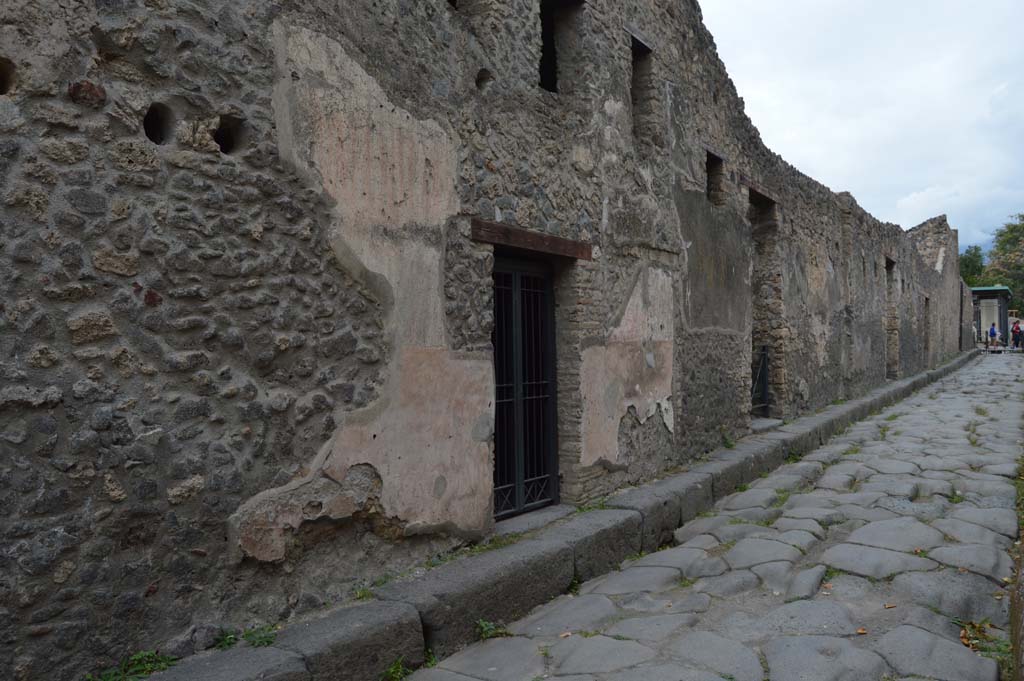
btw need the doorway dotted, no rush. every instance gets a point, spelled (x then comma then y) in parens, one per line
(525, 457)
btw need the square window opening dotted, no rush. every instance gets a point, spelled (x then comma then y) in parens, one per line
(762, 210)
(715, 167)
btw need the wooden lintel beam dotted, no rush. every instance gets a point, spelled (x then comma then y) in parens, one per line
(528, 240)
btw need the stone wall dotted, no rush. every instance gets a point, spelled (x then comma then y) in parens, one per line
(245, 332)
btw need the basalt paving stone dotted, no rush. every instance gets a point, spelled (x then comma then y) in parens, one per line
(698, 527)
(761, 498)
(499, 659)
(755, 515)
(670, 603)
(969, 533)
(804, 541)
(873, 562)
(774, 576)
(896, 489)
(715, 653)
(780, 482)
(897, 534)
(672, 672)
(651, 629)
(567, 613)
(925, 511)
(636, 579)
(805, 584)
(821, 658)
(729, 584)
(868, 515)
(956, 594)
(702, 541)
(752, 551)
(596, 655)
(823, 516)
(736, 532)
(982, 559)
(910, 650)
(1008, 470)
(691, 562)
(787, 524)
(835, 481)
(998, 520)
(892, 466)
(922, 618)
(818, 499)
(818, 617)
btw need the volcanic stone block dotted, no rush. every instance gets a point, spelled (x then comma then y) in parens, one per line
(358, 642)
(498, 586)
(600, 540)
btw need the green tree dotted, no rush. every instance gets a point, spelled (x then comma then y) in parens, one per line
(1006, 259)
(972, 265)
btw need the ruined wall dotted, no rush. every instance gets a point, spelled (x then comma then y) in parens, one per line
(245, 334)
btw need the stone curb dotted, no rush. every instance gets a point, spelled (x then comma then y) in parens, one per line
(440, 610)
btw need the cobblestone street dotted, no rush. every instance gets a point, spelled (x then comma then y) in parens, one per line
(861, 561)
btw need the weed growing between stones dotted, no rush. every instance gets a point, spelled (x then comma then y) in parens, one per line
(742, 487)
(783, 497)
(981, 411)
(883, 432)
(793, 457)
(685, 582)
(397, 671)
(429, 659)
(137, 666)
(851, 450)
(259, 637)
(727, 441)
(226, 640)
(362, 594)
(830, 574)
(487, 630)
(574, 586)
(978, 637)
(893, 417)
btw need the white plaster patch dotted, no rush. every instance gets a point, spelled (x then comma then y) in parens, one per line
(941, 260)
(632, 369)
(393, 178)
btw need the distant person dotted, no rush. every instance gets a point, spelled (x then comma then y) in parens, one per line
(1015, 332)
(992, 335)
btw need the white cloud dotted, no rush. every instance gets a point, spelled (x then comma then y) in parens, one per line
(916, 106)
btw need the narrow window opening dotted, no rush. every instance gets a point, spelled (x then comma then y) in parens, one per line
(715, 167)
(762, 211)
(158, 124)
(6, 76)
(892, 321)
(556, 22)
(642, 90)
(230, 134)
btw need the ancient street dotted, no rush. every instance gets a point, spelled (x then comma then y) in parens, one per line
(864, 560)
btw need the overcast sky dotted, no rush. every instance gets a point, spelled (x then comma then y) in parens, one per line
(914, 106)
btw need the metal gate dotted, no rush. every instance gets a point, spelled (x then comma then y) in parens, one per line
(525, 465)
